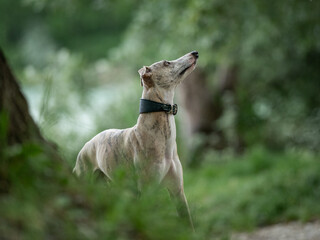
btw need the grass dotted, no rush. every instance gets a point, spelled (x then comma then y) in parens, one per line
(259, 188)
(225, 193)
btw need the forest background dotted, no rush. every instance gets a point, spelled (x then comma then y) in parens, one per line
(248, 123)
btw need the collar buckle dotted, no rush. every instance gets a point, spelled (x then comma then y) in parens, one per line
(173, 109)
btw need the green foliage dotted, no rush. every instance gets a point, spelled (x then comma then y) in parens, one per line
(90, 27)
(258, 189)
(274, 44)
(58, 92)
(44, 199)
(76, 62)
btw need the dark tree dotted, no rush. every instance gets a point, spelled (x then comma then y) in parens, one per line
(16, 124)
(14, 106)
(204, 107)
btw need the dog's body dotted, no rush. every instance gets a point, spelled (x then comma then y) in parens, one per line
(150, 146)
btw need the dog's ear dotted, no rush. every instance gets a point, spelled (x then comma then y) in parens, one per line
(145, 76)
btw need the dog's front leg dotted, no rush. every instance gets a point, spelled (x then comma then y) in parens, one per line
(174, 183)
(150, 175)
(182, 206)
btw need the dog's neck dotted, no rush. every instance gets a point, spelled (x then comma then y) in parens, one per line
(158, 95)
(151, 121)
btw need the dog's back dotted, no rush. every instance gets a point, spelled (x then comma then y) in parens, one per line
(106, 151)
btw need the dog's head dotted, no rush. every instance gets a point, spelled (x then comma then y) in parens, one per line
(168, 74)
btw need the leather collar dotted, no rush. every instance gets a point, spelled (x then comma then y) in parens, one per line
(147, 106)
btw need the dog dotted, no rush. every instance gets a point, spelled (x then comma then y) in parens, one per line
(150, 146)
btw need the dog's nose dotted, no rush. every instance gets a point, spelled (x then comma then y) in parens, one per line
(195, 53)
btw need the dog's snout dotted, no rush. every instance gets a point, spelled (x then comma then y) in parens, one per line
(195, 53)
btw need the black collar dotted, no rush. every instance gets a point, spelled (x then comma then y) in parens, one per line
(147, 106)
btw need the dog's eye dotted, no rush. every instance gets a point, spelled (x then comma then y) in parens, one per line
(166, 63)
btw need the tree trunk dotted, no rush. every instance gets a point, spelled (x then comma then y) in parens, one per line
(16, 124)
(14, 106)
(205, 107)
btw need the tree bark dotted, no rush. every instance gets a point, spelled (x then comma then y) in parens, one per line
(13, 105)
(16, 124)
(204, 107)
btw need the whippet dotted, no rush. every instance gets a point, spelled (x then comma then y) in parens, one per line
(150, 146)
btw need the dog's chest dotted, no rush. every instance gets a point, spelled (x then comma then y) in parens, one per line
(165, 137)
(164, 129)
(159, 137)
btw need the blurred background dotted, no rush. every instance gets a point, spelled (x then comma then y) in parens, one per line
(248, 123)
